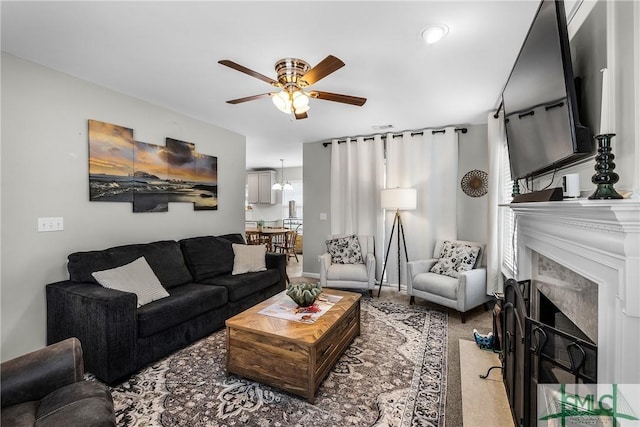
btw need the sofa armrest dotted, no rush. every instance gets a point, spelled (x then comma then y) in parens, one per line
(325, 263)
(472, 288)
(279, 262)
(36, 374)
(103, 319)
(423, 266)
(370, 262)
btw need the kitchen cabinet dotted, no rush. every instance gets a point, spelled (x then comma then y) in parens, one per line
(260, 184)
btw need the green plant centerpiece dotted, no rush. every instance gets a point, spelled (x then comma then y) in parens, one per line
(260, 225)
(304, 294)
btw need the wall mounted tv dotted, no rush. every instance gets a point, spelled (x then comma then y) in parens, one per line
(539, 100)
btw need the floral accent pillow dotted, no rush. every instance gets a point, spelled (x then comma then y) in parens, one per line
(345, 250)
(455, 258)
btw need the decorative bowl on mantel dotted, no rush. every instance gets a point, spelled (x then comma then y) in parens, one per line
(304, 294)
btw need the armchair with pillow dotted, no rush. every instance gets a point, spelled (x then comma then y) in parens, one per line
(348, 263)
(456, 277)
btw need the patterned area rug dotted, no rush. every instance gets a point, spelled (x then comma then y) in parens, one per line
(393, 374)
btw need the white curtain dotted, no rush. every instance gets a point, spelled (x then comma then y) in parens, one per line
(497, 138)
(357, 177)
(427, 162)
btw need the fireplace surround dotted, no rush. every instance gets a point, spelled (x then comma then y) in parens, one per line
(600, 241)
(574, 314)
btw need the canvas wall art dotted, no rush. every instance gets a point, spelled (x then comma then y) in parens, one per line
(150, 176)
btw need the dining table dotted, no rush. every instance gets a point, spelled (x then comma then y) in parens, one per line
(266, 235)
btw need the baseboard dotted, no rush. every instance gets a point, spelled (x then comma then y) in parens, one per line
(311, 275)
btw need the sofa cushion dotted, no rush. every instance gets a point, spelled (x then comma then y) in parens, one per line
(164, 257)
(348, 272)
(207, 256)
(184, 303)
(136, 277)
(22, 414)
(243, 285)
(248, 258)
(85, 403)
(234, 238)
(436, 284)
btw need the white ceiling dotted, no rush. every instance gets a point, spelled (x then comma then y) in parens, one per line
(167, 53)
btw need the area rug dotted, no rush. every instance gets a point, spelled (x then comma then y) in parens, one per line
(393, 374)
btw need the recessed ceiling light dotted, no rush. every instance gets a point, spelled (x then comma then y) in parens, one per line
(435, 33)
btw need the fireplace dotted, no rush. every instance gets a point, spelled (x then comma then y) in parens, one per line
(575, 312)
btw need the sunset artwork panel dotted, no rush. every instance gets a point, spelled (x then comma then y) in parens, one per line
(150, 178)
(110, 162)
(124, 170)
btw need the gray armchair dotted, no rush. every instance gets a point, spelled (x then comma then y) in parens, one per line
(356, 276)
(467, 291)
(46, 388)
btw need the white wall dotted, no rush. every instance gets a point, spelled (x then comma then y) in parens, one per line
(44, 173)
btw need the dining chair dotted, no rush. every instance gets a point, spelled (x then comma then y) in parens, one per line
(288, 247)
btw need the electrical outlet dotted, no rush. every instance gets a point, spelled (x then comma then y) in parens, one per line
(50, 224)
(323, 216)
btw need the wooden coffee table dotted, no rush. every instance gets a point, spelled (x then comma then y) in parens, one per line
(290, 355)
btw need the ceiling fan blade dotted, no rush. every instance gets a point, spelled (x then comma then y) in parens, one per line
(336, 97)
(301, 116)
(249, 98)
(246, 70)
(327, 66)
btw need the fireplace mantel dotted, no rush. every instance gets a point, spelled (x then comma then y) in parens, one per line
(600, 240)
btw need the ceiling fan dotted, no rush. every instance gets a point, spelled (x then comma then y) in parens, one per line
(294, 77)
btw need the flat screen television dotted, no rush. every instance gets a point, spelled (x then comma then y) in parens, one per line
(539, 100)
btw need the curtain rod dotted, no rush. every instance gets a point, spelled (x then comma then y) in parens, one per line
(495, 116)
(371, 137)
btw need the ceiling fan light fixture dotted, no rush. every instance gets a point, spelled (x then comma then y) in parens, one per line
(282, 102)
(300, 99)
(435, 33)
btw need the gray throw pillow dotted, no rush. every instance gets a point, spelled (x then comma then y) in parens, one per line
(136, 277)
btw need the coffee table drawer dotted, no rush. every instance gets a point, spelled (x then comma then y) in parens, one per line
(329, 350)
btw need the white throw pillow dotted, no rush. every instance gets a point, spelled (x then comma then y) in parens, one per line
(248, 258)
(136, 277)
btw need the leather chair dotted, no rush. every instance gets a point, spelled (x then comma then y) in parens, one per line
(355, 276)
(467, 291)
(46, 388)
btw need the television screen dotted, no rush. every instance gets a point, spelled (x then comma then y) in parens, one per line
(539, 99)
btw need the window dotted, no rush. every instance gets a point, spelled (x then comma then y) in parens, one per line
(507, 222)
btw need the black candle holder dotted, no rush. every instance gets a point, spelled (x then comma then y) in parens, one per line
(605, 177)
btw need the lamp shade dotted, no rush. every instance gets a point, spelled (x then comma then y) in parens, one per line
(399, 198)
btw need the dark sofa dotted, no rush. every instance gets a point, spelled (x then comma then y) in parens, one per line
(118, 339)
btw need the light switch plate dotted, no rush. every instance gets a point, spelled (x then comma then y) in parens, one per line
(323, 216)
(50, 224)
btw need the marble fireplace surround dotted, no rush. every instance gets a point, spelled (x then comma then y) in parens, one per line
(599, 240)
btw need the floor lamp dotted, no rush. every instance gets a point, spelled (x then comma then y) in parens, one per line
(404, 199)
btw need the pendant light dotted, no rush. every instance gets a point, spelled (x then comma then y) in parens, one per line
(282, 185)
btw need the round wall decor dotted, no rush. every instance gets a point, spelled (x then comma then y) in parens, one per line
(474, 183)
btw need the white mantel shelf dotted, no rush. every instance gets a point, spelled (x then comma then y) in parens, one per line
(600, 240)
